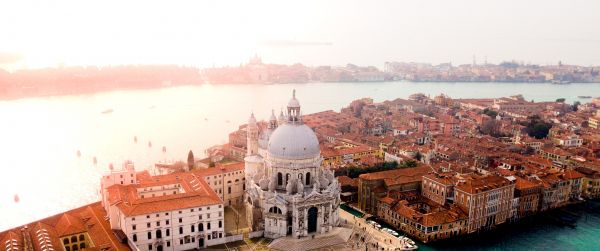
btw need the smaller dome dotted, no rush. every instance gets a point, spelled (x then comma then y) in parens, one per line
(294, 103)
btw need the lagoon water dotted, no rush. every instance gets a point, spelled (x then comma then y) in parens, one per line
(40, 137)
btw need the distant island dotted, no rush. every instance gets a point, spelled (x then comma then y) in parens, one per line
(79, 80)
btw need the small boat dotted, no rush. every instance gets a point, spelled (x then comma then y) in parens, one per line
(95, 160)
(78, 153)
(149, 143)
(560, 82)
(107, 111)
(407, 244)
(135, 139)
(584, 96)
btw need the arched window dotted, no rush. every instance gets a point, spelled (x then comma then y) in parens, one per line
(134, 237)
(275, 210)
(308, 179)
(66, 241)
(158, 233)
(82, 245)
(149, 235)
(74, 239)
(279, 179)
(75, 247)
(68, 248)
(200, 227)
(81, 237)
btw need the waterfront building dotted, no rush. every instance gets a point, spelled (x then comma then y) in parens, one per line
(288, 190)
(422, 218)
(487, 200)
(373, 186)
(529, 194)
(591, 181)
(177, 211)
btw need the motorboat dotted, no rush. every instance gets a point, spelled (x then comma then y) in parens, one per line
(407, 244)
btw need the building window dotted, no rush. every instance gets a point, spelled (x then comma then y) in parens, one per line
(134, 237)
(133, 227)
(158, 223)
(229, 190)
(208, 215)
(208, 226)
(133, 218)
(193, 228)
(180, 230)
(67, 248)
(73, 239)
(149, 235)
(220, 224)
(192, 210)
(75, 247)
(167, 222)
(168, 231)
(168, 243)
(307, 179)
(148, 225)
(200, 227)
(81, 237)
(181, 242)
(279, 179)
(158, 234)
(180, 220)
(166, 213)
(147, 216)
(66, 241)
(82, 245)
(149, 246)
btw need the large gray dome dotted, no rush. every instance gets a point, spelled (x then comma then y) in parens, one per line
(293, 141)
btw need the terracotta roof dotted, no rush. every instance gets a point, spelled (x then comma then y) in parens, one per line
(398, 176)
(87, 219)
(347, 181)
(483, 184)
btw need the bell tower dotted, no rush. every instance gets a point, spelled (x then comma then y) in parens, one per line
(252, 136)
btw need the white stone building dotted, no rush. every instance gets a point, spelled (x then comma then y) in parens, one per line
(288, 192)
(178, 211)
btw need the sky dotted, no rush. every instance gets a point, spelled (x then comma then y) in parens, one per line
(35, 34)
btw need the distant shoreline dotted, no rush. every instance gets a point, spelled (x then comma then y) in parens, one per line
(4, 97)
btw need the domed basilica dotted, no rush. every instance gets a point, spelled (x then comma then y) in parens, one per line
(287, 190)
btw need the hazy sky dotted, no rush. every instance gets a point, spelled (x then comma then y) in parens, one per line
(205, 33)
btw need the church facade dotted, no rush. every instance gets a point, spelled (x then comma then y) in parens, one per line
(288, 192)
